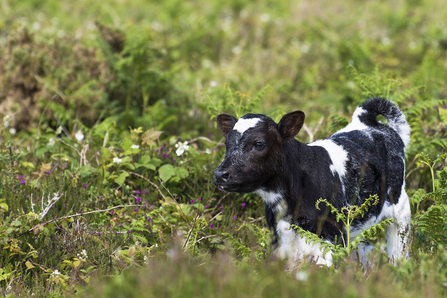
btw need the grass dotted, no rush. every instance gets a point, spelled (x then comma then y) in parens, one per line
(96, 98)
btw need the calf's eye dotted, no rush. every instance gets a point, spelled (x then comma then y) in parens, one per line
(259, 145)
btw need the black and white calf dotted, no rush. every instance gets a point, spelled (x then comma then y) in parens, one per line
(365, 158)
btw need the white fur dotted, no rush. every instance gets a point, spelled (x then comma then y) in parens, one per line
(295, 248)
(355, 124)
(243, 125)
(270, 198)
(403, 129)
(397, 232)
(337, 154)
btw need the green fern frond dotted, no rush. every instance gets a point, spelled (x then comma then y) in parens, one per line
(312, 238)
(401, 97)
(420, 107)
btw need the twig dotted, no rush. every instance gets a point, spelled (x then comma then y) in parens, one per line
(152, 183)
(185, 218)
(59, 140)
(76, 215)
(190, 232)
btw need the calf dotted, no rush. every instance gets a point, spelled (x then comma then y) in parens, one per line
(365, 158)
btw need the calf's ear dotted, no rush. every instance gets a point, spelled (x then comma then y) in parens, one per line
(226, 123)
(290, 124)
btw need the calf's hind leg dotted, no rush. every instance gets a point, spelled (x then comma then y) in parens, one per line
(397, 233)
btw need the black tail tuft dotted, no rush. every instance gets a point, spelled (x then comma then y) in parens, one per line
(394, 116)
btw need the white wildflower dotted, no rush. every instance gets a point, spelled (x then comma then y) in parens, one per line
(36, 26)
(208, 151)
(304, 48)
(213, 84)
(12, 131)
(135, 146)
(6, 120)
(59, 130)
(51, 142)
(83, 254)
(55, 273)
(181, 147)
(117, 160)
(301, 275)
(265, 17)
(79, 135)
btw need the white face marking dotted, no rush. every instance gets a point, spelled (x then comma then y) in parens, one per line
(337, 154)
(270, 198)
(243, 124)
(294, 247)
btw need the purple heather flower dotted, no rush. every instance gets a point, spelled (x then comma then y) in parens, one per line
(137, 191)
(136, 209)
(148, 218)
(116, 233)
(108, 226)
(23, 181)
(243, 205)
(206, 207)
(128, 232)
(27, 196)
(138, 199)
(174, 160)
(99, 233)
(219, 188)
(220, 207)
(192, 201)
(211, 226)
(111, 212)
(85, 186)
(234, 217)
(200, 199)
(157, 150)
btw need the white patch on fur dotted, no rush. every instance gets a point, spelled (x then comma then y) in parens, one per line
(401, 126)
(294, 247)
(355, 124)
(243, 124)
(270, 198)
(338, 155)
(397, 232)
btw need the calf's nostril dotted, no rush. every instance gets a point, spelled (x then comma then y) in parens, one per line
(225, 175)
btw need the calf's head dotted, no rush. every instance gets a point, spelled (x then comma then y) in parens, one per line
(255, 152)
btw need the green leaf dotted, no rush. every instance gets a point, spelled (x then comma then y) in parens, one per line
(29, 265)
(86, 170)
(106, 153)
(181, 172)
(166, 172)
(127, 144)
(148, 166)
(121, 178)
(41, 151)
(156, 162)
(4, 206)
(144, 159)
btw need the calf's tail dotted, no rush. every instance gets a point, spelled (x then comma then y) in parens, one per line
(371, 108)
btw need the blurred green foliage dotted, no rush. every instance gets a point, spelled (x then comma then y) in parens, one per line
(108, 142)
